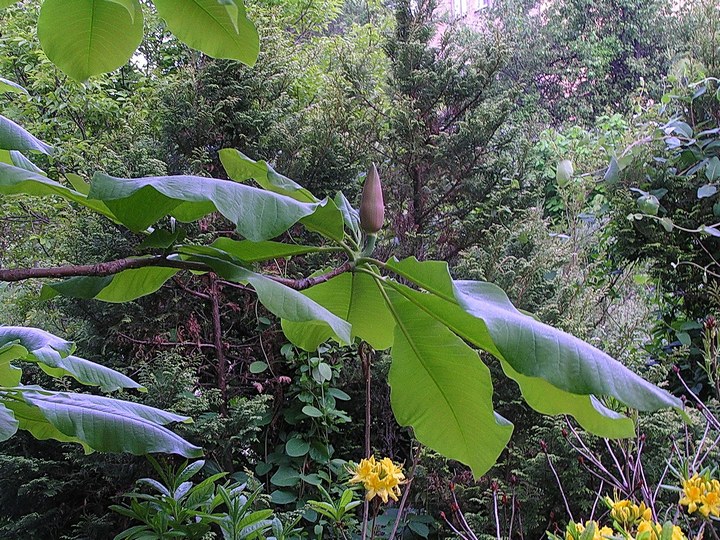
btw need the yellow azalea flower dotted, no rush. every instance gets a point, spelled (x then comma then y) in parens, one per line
(693, 491)
(655, 531)
(626, 512)
(379, 478)
(600, 532)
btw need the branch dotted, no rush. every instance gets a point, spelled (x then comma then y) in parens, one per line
(108, 268)
(306, 283)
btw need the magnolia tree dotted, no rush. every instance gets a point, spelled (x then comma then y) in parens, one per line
(432, 324)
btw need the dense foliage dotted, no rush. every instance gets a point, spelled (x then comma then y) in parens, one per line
(567, 153)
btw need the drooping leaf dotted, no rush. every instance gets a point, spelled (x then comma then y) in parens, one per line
(354, 297)
(89, 373)
(8, 423)
(241, 168)
(31, 419)
(122, 287)
(248, 251)
(111, 425)
(535, 349)
(326, 220)
(89, 37)
(443, 305)
(9, 86)
(138, 203)
(38, 343)
(279, 299)
(351, 216)
(207, 25)
(16, 180)
(14, 137)
(441, 388)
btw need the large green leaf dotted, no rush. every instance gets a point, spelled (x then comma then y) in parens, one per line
(441, 388)
(279, 299)
(88, 37)
(354, 297)
(31, 419)
(208, 26)
(249, 252)
(53, 355)
(138, 203)
(42, 345)
(535, 349)
(122, 287)
(89, 373)
(8, 423)
(241, 168)
(17, 180)
(540, 394)
(14, 137)
(9, 86)
(111, 425)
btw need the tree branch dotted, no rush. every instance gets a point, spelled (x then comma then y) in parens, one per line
(108, 268)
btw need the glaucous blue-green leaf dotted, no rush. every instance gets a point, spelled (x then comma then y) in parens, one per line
(89, 373)
(592, 415)
(441, 388)
(279, 299)
(31, 419)
(241, 168)
(122, 287)
(89, 37)
(443, 305)
(535, 349)
(208, 26)
(17, 180)
(8, 423)
(14, 137)
(249, 252)
(354, 297)
(111, 425)
(138, 203)
(38, 343)
(53, 355)
(9, 86)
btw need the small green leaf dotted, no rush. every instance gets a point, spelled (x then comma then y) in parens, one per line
(612, 174)
(282, 497)
(285, 477)
(706, 191)
(258, 367)
(297, 447)
(89, 37)
(249, 252)
(712, 169)
(311, 411)
(207, 25)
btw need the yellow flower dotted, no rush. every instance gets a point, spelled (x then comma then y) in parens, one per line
(626, 512)
(654, 530)
(379, 478)
(693, 491)
(701, 494)
(600, 532)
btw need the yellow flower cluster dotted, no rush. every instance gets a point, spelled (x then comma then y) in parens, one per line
(626, 512)
(380, 478)
(701, 494)
(600, 532)
(652, 530)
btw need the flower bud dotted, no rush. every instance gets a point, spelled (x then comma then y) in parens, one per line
(372, 207)
(564, 172)
(649, 204)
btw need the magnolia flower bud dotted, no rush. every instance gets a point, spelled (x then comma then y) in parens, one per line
(564, 172)
(372, 207)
